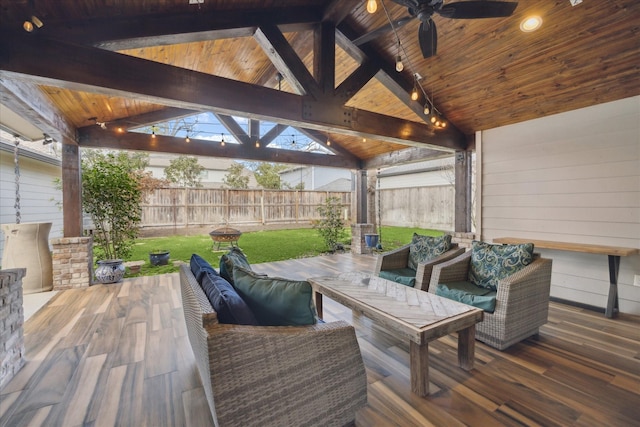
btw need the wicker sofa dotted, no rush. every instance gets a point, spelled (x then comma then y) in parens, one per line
(522, 299)
(273, 375)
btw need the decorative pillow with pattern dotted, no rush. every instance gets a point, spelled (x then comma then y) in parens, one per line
(424, 248)
(492, 263)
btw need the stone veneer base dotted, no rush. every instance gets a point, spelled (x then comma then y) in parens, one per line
(11, 324)
(72, 262)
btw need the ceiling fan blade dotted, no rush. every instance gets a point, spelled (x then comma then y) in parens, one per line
(365, 38)
(478, 9)
(428, 38)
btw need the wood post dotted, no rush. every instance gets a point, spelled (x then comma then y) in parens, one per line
(71, 191)
(463, 191)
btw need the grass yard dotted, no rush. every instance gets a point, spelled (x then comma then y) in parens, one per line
(258, 246)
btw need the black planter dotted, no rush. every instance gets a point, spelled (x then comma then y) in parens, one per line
(159, 258)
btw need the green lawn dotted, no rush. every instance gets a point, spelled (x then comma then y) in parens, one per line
(259, 246)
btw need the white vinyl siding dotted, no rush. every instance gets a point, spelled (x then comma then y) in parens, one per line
(38, 194)
(571, 177)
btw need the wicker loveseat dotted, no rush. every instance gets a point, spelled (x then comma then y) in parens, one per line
(397, 261)
(521, 303)
(273, 375)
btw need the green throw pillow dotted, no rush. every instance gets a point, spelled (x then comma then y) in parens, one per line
(492, 263)
(234, 258)
(424, 248)
(276, 301)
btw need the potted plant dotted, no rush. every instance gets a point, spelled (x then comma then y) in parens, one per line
(111, 196)
(159, 257)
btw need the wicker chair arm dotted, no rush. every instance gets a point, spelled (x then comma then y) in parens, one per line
(312, 375)
(521, 291)
(425, 269)
(454, 270)
(397, 258)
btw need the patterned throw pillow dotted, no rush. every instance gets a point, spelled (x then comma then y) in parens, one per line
(424, 248)
(492, 263)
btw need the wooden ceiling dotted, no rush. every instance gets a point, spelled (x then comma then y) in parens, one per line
(487, 73)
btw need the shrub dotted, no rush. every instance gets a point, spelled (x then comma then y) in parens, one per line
(331, 226)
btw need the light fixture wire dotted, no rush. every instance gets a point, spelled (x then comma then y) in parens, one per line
(434, 110)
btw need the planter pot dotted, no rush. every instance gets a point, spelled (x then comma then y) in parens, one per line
(110, 271)
(159, 258)
(26, 245)
(371, 240)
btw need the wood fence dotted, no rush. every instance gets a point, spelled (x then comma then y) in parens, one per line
(430, 207)
(199, 207)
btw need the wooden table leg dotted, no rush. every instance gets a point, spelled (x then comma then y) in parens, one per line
(466, 347)
(318, 298)
(419, 368)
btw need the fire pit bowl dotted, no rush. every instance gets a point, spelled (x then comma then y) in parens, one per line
(226, 235)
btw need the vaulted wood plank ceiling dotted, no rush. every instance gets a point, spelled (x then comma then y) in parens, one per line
(487, 73)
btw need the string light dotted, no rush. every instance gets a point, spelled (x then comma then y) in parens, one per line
(222, 143)
(399, 64)
(414, 93)
(153, 132)
(372, 6)
(426, 110)
(187, 139)
(257, 143)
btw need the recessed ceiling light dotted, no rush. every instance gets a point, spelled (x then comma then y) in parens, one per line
(530, 23)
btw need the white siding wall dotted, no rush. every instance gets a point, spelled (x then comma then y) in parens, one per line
(572, 177)
(36, 193)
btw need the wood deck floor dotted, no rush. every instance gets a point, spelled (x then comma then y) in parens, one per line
(118, 355)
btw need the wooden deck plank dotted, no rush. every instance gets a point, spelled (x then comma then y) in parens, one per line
(132, 364)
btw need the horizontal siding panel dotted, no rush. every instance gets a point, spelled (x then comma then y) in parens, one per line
(593, 214)
(618, 200)
(584, 186)
(577, 228)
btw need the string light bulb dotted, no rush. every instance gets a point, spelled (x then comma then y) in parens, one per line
(372, 6)
(328, 142)
(414, 93)
(187, 139)
(222, 143)
(153, 133)
(257, 143)
(399, 64)
(426, 109)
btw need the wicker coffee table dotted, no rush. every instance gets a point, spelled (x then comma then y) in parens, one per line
(414, 314)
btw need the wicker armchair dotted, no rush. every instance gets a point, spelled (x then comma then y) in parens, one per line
(399, 259)
(273, 375)
(522, 300)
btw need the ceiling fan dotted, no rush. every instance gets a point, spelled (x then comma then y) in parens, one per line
(424, 11)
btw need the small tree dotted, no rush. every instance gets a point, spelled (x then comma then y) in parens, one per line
(234, 177)
(331, 226)
(111, 195)
(268, 175)
(184, 171)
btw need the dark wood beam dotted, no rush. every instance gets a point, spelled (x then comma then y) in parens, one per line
(463, 196)
(71, 191)
(79, 67)
(286, 60)
(272, 134)
(151, 118)
(401, 157)
(356, 81)
(324, 57)
(117, 33)
(95, 137)
(234, 128)
(27, 100)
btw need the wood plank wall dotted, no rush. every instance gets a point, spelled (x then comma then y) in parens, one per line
(180, 207)
(572, 177)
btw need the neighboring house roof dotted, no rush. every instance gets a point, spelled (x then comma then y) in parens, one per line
(340, 184)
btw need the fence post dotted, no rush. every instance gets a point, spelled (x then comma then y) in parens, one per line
(263, 219)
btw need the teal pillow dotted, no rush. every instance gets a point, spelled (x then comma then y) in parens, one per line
(276, 301)
(424, 248)
(234, 258)
(468, 293)
(404, 276)
(492, 263)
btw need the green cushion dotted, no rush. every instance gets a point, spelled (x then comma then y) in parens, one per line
(425, 248)
(276, 301)
(468, 293)
(404, 276)
(492, 263)
(234, 258)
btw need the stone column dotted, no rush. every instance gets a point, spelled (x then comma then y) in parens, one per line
(72, 262)
(358, 244)
(463, 239)
(11, 324)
